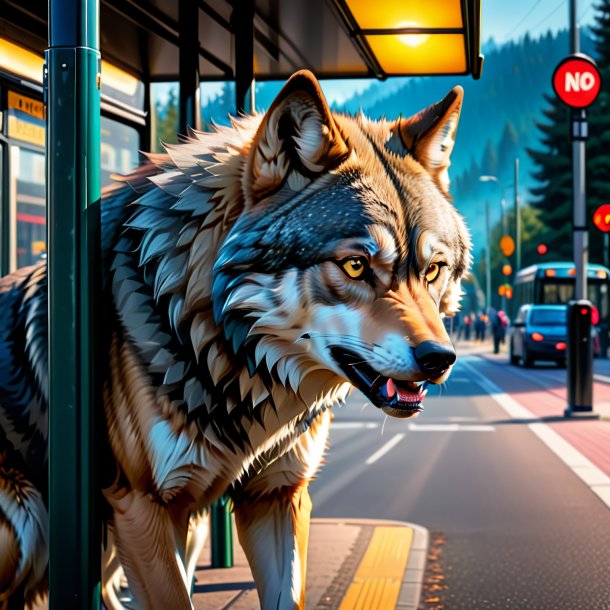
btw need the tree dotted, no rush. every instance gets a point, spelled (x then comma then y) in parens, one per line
(553, 173)
(489, 161)
(508, 150)
(165, 122)
(218, 109)
(531, 236)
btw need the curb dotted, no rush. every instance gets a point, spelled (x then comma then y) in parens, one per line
(413, 580)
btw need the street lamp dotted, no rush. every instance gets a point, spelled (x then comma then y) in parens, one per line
(487, 260)
(411, 37)
(517, 210)
(503, 201)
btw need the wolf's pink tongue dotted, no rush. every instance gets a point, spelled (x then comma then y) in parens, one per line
(389, 388)
(406, 396)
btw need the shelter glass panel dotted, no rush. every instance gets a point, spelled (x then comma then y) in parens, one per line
(217, 103)
(164, 104)
(121, 86)
(119, 149)
(27, 201)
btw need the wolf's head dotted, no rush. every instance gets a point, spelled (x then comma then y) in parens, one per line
(346, 252)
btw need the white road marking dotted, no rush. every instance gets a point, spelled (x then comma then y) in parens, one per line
(387, 447)
(582, 467)
(424, 427)
(602, 378)
(450, 428)
(348, 425)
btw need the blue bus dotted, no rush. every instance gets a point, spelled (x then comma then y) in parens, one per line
(553, 284)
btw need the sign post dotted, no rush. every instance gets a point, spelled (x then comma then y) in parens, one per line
(577, 82)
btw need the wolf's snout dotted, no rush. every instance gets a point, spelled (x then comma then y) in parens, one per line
(434, 358)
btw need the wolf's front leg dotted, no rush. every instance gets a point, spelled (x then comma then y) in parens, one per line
(150, 544)
(272, 516)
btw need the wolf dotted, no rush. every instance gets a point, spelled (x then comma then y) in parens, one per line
(253, 276)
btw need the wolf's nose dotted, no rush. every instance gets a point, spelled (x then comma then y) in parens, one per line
(434, 358)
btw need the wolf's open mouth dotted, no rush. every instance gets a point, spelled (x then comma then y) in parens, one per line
(398, 398)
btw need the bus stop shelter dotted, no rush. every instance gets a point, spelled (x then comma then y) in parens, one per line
(189, 41)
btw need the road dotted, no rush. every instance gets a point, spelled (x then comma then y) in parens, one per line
(511, 525)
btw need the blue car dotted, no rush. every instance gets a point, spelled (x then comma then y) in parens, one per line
(539, 333)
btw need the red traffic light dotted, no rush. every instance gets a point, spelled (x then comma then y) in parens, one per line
(594, 315)
(601, 218)
(590, 311)
(542, 249)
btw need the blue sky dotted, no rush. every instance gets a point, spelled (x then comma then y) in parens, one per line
(504, 20)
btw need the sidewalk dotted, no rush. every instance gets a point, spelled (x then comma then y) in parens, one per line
(352, 564)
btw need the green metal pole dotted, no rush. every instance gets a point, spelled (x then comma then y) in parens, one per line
(73, 193)
(222, 534)
(242, 20)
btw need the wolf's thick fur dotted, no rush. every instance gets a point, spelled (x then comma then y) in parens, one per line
(248, 266)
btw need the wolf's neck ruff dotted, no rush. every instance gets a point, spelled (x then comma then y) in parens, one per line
(238, 381)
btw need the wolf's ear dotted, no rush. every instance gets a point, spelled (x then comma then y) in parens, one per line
(297, 140)
(430, 135)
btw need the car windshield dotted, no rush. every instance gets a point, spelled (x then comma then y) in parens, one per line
(548, 317)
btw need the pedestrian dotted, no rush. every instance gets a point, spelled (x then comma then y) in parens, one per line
(479, 327)
(467, 326)
(505, 323)
(497, 330)
(456, 328)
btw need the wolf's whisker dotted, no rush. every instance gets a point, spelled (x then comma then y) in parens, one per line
(385, 419)
(365, 405)
(359, 362)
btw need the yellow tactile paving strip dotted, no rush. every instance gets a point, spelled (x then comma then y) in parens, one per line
(378, 579)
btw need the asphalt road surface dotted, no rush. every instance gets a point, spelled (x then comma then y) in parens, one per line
(511, 526)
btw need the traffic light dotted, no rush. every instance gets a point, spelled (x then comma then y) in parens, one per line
(507, 245)
(541, 249)
(601, 218)
(505, 290)
(580, 357)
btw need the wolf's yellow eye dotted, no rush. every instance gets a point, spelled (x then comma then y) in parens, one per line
(354, 267)
(432, 272)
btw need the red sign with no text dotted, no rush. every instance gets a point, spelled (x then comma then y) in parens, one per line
(577, 81)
